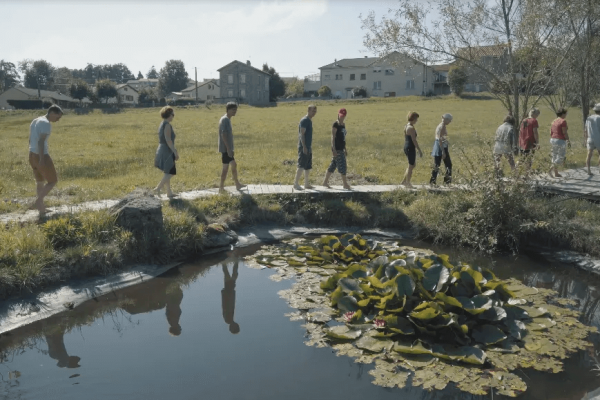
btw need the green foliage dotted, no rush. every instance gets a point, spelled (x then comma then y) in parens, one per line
(152, 74)
(359, 91)
(37, 73)
(276, 84)
(172, 78)
(294, 88)
(457, 79)
(324, 91)
(79, 90)
(140, 75)
(147, 95)
(8, 75)
(106, 89)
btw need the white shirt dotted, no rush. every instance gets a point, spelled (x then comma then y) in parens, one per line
(39, 126)
(592, 125)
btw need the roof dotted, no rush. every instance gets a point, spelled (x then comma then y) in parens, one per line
(193, 87)
(244, 64)
(44, 93)
(442, 67)
(142, 80)
(125, 84)
(476, 52)
(352, 63)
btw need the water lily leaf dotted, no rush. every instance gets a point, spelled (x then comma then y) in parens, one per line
(345, 239)
(404, 286)
(487, 274)
(467, 354)
(294, 263)
(318, 316)
(488, 334)
(471, 278)
(400, 262)
(364, 303)
(349, 285)
(534, 312)
(357, 271)
(332, 282)
(517, 329)
(522, 290)
(347, 303)
(516, 302)
(329, 241)
(425, 314)
(399, 325)
(515, 313)
(494, 314)
(391, 271)
(475, 305)
(337, 294)
(372, 344)
(410, 258)
(415, 348)
(383, 302)
(435, 277)
(389, 379)
(376, 283)
(448, 300)
(342, 332)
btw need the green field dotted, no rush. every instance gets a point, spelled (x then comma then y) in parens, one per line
(101, 156)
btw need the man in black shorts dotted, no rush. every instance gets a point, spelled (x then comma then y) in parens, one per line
(305, 131)
(226, 147)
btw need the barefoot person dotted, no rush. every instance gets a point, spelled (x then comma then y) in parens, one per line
(559, 140)
(529, 140)
(592, 136)
(166, 153)
(440, 151)
(39, 158)
(410, 147)
(305, 132)
(338, 150)
(226, 147)
(504, 145)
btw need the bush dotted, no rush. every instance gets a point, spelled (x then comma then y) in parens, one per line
(359, 91)
(324, 91)
(457, 79)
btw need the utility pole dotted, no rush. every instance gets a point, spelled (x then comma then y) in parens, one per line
(196, 80)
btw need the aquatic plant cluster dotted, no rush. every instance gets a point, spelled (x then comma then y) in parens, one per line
(422, 320)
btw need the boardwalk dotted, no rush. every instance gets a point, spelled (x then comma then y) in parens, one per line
(574, 183)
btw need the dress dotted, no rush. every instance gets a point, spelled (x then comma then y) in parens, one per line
(165, 158)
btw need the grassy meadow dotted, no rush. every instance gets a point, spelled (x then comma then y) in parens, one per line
(101, 156)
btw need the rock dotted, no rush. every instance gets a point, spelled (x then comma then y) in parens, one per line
(140, 212)
(219, 235)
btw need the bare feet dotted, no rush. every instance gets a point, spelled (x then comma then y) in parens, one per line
(348, 187)
(550, 173)
(222, 190)
(590, 173)
(326, 184)
(309, 186)
(240, 186)
(170, 195)
(298, 187)
(558, 175)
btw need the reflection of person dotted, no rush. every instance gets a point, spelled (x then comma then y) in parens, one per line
(166, 153)
(226, 147)
(305, 133)
(592, 136)
(228, 297)
(440, 151)
(504, 143)
(58, 351)
(338, 150)
(174, 295)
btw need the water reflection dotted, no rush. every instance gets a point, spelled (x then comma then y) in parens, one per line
(228, 296)
(58, 351)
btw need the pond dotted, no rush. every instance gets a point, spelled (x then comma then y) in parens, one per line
(201, 331)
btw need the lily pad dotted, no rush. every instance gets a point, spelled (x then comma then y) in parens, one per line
(399, 325)
(404, 286)
(342, 332)
(347, 304)
(372, 344)
(488, 334)
(350, 285)
(435, 277)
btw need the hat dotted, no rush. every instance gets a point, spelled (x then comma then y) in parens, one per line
(597, 107)
(342, 112)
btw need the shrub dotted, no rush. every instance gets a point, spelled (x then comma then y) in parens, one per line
(457, 79)
(359, 91)
(324, 91)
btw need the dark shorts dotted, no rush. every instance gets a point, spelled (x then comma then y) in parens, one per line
(411, 153)
(225, 159)
(173, 170)
(304, 160)
(527, 152)
(339, 162)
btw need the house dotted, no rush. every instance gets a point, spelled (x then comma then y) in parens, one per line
(440, 74)
(22, 93)
(208, 90)
(243, 83)
(494, 58)
(312, 84)
(127, 95)
(392, 75)
(139, 84)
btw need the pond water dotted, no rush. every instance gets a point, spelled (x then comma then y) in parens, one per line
(200, 331)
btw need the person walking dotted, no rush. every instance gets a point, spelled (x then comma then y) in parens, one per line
(440, 151)
(39, 157)
(305, 131)
(559, 140)
(226, 147)
(528, 137)
(338, 150)
(504, 145)
(410, 147)
(166, 153)
(592, 136)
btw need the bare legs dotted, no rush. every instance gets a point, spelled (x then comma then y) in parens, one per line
(166, 182)
(344, 181)
(42, 189)
(589, 160)
(307, 185)
(408, 176)
(509, 158)
(234, 175)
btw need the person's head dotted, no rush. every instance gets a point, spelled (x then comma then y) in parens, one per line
(446, 118)
(167, 113)
(234, 328)
(231, 108)
(342, 114)
(412, 117)
(561, 112)
(509, 119)
(312, 111)
(597, 108)
(534, 113)
(54, 113)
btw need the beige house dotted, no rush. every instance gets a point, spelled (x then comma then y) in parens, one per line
(22, 93)
(394, 75)
(494, 58)
(208, 90)
(127, 95)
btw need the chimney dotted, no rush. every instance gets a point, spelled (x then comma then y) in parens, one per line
(248, 62)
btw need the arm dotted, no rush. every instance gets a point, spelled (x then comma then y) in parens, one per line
(222, 132)
(442, 138)
(303, 140)
(333, 133)
(536, 138)
(565, 132)
(169, 140)
(41, 143)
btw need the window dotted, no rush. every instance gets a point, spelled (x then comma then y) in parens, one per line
(243, 93)
(125, 88)
(325, 77)
(230, 79)
(408, 72)
(376, 69)
(410, 84)
(243, 78)
(266, 83)
(352, 77)
(377, 85)
(389, 72)
(338, 77)
(129, 98)
(258, 94)
(230, 93)
(363, 77)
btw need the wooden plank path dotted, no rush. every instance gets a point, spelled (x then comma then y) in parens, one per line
(574, 183)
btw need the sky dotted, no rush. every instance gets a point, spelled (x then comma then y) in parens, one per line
(296, 37)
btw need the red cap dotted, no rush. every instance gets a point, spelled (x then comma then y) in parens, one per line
(342, 112)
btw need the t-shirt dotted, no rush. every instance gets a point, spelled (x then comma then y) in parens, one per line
(305, 123)
(340, 136)
(556, 130)
(39, 126)
(526, 136)
(592, 126)
(225, 130)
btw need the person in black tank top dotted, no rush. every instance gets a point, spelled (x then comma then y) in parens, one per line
(338, 150)
(411, 145)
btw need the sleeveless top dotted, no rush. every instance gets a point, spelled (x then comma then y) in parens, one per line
(340, 136)
(161, 133)
(408, 142)
(164, 158)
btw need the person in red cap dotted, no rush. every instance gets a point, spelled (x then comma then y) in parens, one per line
(338, 150)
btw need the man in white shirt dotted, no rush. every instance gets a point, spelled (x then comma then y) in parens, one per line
(39, 158)
(592, 136)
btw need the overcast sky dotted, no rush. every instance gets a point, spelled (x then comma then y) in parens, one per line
(296, 36)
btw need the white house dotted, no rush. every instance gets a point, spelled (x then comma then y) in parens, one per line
(139, 84)
(127, 95)
(390, 76)
(208, 90)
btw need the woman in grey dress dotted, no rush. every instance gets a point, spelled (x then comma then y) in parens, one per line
(166, 154)
(504, 144)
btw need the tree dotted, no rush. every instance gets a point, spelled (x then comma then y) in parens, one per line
(359, 91)
(147, 95)
(106, 89)
(8, 75)
(37, 73)
(140, 76)
(324, 91)
(172, 77)
(79, 90)
(276, 84)
(152, 74)
(457, 79)
(294, 88)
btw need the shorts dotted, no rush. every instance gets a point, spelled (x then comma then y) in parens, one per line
(339, 162)
(47, 172)
(559, 151)
(411, 153)
(225, 159)
(304, 160)
(591, 145)
(526, 153)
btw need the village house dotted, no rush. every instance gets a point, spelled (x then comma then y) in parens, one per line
(391, 76)
(208, 90)
(440, 74)
(21, 93)
(139, 84)
(493, 58)
(243, 83)
(127, 95)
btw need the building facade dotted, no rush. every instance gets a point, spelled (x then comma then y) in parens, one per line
(242, 83)
(139, 84)
(127, 95)
(208, 90)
